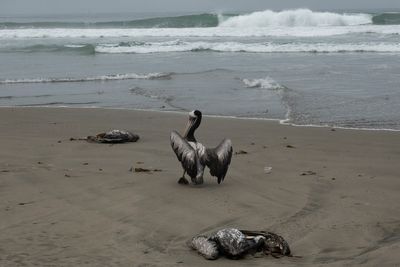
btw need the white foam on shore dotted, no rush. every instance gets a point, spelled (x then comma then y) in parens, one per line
(286, 122)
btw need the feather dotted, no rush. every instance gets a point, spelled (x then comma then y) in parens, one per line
(185, 153)
(273, 243)
(218, 159)
(205, 247)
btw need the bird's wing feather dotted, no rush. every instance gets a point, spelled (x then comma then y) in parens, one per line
(219, 158)
(185, 153)
(274, 243)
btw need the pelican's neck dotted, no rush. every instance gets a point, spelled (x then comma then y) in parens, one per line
(190, 135)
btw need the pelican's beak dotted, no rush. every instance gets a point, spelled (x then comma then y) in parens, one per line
(189, 125)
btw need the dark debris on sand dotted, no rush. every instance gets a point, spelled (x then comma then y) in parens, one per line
(241, 152)
(308, 173)
(25, 203)
(132, 169)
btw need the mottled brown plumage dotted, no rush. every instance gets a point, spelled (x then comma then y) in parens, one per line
(194, 156)
(235, 244)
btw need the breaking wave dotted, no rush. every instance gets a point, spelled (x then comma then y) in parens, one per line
(110, 77)
(266, 18)
(296, 18)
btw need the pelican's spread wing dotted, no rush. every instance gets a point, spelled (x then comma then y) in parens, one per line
(185, 153)
(219, 158)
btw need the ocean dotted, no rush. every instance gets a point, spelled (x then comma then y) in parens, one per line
(300, 67)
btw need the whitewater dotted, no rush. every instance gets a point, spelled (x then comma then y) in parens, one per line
(296, 23)
(301, 66)
(298, 31)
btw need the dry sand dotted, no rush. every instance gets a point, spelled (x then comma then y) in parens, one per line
(333, 195)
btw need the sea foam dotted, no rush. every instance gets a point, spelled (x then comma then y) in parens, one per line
(265, 47)
(296, 18)
(109, 77)
(266, 83)
(298, 31)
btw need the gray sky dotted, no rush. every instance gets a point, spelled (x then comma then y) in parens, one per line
(111, 6)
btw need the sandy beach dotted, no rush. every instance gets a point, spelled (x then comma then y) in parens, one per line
(332, 194)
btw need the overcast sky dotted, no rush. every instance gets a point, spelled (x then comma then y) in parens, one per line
(111, 6)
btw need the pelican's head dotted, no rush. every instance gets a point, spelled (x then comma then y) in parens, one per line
(193, 123)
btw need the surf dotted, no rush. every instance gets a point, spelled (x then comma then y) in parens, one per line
(295, 18)
(180, 46)
(109, 77)
(264, 83)
(265, 18)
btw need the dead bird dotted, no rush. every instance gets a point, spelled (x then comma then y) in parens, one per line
(113, 137)
(235, 244)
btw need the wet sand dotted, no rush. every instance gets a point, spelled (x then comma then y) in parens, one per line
(333, 195)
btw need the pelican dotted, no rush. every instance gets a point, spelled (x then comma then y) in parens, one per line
(194, 156)
(235, 244)
(114, 136)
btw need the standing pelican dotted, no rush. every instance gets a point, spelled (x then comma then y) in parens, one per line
(194, 156)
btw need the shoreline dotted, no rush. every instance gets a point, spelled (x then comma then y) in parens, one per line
(279, 121)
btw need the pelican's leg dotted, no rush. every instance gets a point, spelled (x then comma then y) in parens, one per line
(183, 179)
